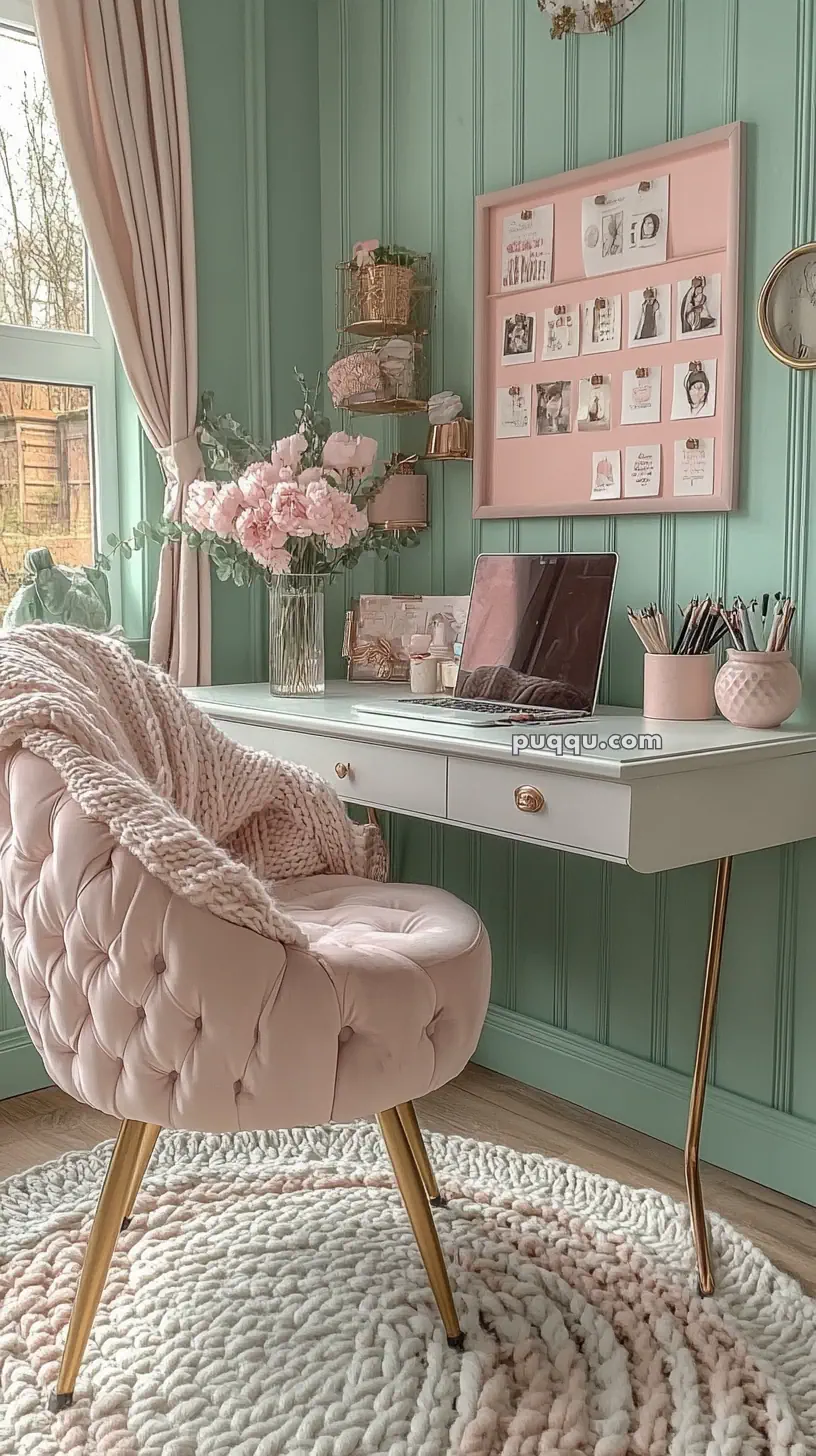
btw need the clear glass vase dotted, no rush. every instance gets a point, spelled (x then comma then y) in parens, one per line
(297, 662)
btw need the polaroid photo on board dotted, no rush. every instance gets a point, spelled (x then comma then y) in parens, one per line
(695, 390)
(518, 339)
(650, 315)
(595, 403)
(554, 407)
(601, 325)
(562, 331)
(527, 248)
(606, 475)
(640, 395)
(699, 305)
(513, 412)
(694, 467)
(647, 222)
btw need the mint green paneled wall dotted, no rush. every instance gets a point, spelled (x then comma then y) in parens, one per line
(425, 103)
(252, 87)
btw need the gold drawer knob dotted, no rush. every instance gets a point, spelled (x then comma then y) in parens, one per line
(528, 799)
(342, 770)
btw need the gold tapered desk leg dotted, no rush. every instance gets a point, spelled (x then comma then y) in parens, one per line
(413, 1132)
(409, 1181)
(698, 1082)
(149, 1141)
(134, 1145)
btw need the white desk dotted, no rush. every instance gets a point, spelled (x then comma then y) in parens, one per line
(707, 792)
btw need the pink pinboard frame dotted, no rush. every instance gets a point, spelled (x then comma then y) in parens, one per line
(550, 475)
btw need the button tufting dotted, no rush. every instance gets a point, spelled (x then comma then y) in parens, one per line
(198, 1023)
(346, 1034)
(141, 1013)
(173, 1077)
(238, 1088)
(159, 964)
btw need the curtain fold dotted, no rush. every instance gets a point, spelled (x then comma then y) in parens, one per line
(116, 73)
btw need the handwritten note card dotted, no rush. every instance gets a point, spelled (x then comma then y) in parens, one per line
(642, 474)
(527, 248)
(694, 467)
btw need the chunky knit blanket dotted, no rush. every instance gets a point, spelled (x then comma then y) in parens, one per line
(215, 822)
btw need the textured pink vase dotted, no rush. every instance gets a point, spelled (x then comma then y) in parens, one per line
(757, 689)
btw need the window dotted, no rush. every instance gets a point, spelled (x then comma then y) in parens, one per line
(57, 356)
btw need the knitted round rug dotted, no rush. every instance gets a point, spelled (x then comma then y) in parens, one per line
(268, 1297)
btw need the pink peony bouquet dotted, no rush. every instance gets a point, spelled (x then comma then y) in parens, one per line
(297, 508)
(287, 518)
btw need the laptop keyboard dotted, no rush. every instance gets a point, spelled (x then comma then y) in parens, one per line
(482, 705)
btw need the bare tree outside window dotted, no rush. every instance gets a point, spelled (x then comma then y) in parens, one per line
(46, 495)
(42, 248)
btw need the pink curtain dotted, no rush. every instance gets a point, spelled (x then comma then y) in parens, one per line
(116, 73)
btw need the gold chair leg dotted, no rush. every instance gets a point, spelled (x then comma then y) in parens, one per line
(698, 1082)
(151, 1137)
(134, 1145)
(409, 1182)
(413, 1132)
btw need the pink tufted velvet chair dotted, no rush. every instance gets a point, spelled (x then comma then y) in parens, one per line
(149, 1008)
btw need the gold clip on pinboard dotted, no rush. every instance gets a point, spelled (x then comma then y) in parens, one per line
(642, 372)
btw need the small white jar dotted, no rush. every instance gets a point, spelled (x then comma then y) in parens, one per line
(424, 676)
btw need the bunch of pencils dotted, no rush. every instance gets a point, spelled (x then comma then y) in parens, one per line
(701, 630)
(752, 627)
(760, 626)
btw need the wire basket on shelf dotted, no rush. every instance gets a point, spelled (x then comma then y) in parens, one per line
(385, 298)
(388, 375)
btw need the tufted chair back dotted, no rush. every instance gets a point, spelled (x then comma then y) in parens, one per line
(139, 1003)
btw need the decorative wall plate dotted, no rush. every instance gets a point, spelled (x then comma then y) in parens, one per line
(586, 17)
(786, 311)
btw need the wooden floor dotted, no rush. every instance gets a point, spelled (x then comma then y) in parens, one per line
(482, 1104)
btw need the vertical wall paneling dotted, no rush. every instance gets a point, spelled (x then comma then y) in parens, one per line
(593, 960)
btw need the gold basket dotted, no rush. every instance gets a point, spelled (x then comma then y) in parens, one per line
(384, 295)
(385, 298)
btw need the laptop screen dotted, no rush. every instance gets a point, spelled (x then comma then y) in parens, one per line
(536, 629)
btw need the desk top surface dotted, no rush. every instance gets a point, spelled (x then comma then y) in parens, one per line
(680, 747)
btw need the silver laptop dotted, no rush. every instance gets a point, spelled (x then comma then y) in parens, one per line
(533, 646)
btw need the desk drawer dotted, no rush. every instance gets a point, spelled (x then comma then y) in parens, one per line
(384, 778)
(589, 815)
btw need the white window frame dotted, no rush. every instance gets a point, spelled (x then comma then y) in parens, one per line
(56, 356)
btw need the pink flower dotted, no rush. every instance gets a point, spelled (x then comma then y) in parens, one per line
(200, 496)
(260, 535)
(278, 562)
(290, 510)
(347, 520)
(290, 450)
(224, 509)
(320, 504)
(259, 480)
(363, 252)
(356, 453)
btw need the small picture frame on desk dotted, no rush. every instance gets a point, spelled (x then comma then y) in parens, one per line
(378, 629)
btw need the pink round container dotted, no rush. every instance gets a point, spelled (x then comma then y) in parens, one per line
(757, 689)
(678, 686)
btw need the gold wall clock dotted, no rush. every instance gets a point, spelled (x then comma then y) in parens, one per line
(786, 311)
(586, 17)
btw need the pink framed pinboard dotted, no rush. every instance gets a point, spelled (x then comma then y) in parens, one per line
(608, 313)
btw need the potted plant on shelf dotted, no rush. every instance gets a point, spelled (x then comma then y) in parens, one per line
(293, 515)
(384, 275)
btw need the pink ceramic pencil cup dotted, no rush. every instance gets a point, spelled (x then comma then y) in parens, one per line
(757, 689)
(678, 686)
